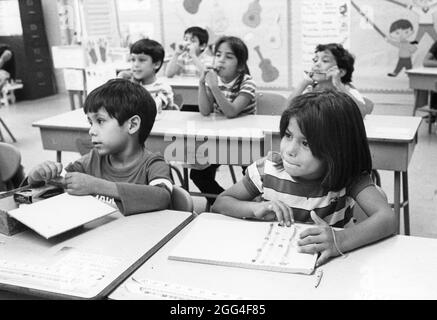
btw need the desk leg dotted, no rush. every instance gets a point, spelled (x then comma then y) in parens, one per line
(58, 156)
(80, 96)
(397, 199)
(71, 96)
(406, 203)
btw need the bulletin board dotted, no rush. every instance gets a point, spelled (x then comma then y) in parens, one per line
(262, 24)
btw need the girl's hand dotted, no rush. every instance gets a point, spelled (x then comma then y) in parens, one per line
(45, 171)
(333, 73)
(80, 184)
(181, 47)
(211, 78)
(318, 240)
(270, 210)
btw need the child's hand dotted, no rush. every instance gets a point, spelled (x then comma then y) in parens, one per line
(181, 47)
(211, 78)
(307, 78)
(45, 171)
(80, 184)
(191, 50)
(318, 240)
(270, 210)
(333, 73)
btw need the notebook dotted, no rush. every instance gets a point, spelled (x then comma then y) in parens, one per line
(226, 241)
(61, 213)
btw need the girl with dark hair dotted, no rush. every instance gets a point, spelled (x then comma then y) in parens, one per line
(322, 170)
(226, 89)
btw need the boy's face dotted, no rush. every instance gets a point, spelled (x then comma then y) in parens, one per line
(297, 157)
(322, 62)
(400, 34)
(143, 67)
(107, 136)
(194, 42)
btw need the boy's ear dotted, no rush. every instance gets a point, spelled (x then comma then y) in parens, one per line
(157, 65)
(134, 124)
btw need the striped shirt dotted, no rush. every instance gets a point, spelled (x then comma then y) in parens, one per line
(162, 93)
(231, 92)
(267, 177)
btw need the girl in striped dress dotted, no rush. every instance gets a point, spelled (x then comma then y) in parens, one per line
(322, 170)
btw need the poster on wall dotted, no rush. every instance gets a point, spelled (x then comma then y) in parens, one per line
(323, 21)
(389, 37)
(261, 24)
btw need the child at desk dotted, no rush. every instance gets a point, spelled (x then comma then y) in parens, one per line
(228, 89)
(323, 169)
(147, 57)
(332, 69)
(118, 168)
(191, 56)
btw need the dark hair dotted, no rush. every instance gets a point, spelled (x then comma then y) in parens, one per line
(240, 51)
(123, 99)
(200, 33)
(402, 24)
(345, 60)
(150, 47)
(334, 128)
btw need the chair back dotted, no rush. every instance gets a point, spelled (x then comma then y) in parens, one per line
(269, 103)
(181, 200)
(10, 160)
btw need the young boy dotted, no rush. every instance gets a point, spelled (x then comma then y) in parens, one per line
(147, 57)
(118, 168)
(332, 68)
(400, 31)
(191, 56)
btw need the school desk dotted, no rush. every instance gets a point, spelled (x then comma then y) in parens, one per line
(398, 267)
(422, 79)
(113, 246)
(242, 140)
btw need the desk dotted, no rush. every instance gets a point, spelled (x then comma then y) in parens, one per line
(399, 267)
(128, 240)
(392, 140)
(422, 79)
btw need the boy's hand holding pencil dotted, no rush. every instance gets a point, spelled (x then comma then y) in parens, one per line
(45, 171)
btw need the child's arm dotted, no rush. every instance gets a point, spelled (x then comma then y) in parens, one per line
(45, 171)
(429, 61)
(173, 66)
(205, 98)
(380, 224)
(306, 81)
(236, 202)
(230, 109)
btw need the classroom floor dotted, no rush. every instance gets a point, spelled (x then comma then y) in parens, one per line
(422, 170)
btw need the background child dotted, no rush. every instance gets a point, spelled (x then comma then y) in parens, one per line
(191, 56)
(332, 69)
(227, 89)
(121, 114)
(147, 57)
(322, 169)
(7, 64)
(400, 31)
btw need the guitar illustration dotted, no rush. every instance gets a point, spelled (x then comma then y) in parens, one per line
(269, 72)
(192, 6)
(274, 34)
(252, 17)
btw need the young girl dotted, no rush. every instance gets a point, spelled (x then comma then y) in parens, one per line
(227, 89)
(322, 169)
(332, 69)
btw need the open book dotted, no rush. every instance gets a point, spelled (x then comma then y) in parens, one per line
(221, 240)
(60, 213)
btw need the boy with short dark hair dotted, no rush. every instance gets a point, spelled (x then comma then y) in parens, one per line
(191, 56)
(118, 168)
(147, 57)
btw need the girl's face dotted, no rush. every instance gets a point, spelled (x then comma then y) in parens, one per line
(322, 62)
(143, 67)
(298, 160)
(226, 63)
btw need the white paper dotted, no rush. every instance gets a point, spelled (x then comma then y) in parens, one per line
(61, 213)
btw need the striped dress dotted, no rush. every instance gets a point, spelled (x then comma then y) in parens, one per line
(267, 177)
(230, 91)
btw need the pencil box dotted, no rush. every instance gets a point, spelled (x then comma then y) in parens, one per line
(32, 195)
